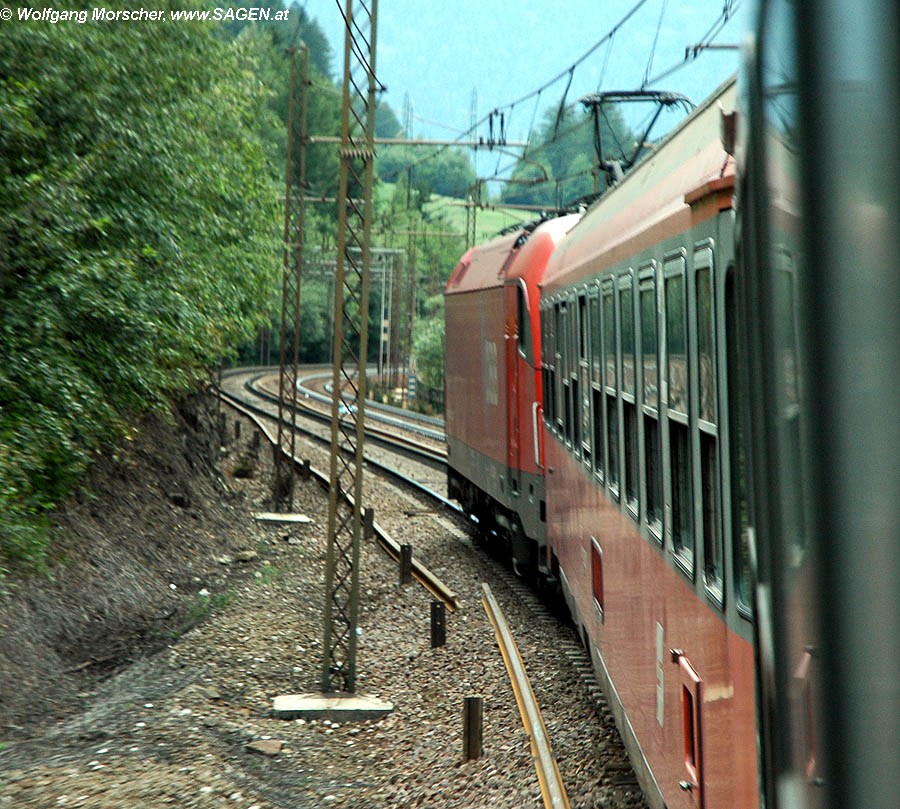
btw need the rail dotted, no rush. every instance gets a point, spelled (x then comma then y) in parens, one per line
(552, 787)
(422, 574)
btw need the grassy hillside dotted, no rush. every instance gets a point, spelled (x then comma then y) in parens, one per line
(487, 222)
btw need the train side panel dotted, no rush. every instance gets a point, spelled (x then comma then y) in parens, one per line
(638, 468)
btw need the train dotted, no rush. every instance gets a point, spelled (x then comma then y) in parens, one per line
(678, 409)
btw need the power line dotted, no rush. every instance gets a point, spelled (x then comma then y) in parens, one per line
(691, 53)
(662, 12)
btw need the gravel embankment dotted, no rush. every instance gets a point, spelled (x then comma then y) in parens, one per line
(174, 729)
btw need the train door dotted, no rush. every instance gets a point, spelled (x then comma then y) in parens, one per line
(516, 327)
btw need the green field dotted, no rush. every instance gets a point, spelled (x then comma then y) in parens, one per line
(488, 222)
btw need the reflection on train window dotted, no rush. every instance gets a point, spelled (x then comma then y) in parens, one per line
(712, 535)
(596, 383)
(582, 398)
(522, 324)
(627, 320)
(682, 507)
(739, 518)
(676, 344)
(559, 343)
(597, 577)
(596, 356)
(566, 372)
(650, 406)
(609, 339)
(705, 343)
(649, 352)
(706, 425)
(612, 418)
(654, 472)
(790, 409)
(629, 414)
(631, 455)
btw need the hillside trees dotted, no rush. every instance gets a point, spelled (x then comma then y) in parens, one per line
(138, 211)
(563, 148)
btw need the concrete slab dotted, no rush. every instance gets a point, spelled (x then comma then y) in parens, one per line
(285, 518)
(334, 707)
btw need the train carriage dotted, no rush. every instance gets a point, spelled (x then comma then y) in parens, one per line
(637, 305)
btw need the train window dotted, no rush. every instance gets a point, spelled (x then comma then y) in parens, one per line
(710, 509)
(566, 345)
(596, 334)
(653, 461)
(676, 344)
(627, 320)
(630, 461)
(546, 382)
(739, 517)
(682, 502)
(582, 329)
(612, 444)
(611, 409)
(649, 349)
(706, 341)
(629, 415)
(609, 339)
(523, 324)
(713, 552)
(558, 342)
(583, 382)
(650, 387)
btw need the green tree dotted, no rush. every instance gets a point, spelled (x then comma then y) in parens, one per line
(138, 211)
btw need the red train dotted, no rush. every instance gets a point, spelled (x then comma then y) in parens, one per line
(716, 488)
(632, 383)
(495, 438)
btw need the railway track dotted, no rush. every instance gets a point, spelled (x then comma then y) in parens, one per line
(254, 397)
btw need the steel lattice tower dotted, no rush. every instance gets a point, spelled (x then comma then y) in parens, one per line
(351, 315)
(295, 188)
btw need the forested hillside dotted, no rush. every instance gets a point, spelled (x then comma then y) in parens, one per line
(138, 209)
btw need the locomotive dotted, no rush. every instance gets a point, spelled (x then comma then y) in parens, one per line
(698, 445)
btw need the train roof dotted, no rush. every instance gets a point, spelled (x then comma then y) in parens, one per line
(654, 200)
(519, 254)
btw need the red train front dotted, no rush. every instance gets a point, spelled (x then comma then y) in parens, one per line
(493, 384)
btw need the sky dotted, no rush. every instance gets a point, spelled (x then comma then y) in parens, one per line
(440, 53)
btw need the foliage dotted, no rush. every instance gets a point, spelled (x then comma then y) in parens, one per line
(428, 344)
(283, 35)
(137, 215)
(445, 171)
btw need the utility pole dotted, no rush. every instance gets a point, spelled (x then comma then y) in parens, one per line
(292, 259)
(351, 316)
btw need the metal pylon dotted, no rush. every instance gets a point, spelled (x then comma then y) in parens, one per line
(294, 192)
(351, 316)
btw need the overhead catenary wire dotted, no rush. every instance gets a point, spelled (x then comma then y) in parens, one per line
(662, 12)
(510, 105)
(728, 11)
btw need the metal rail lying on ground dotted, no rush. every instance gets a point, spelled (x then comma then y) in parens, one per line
(552, 787)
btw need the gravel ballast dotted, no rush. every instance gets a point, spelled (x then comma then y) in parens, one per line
(192, 726)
